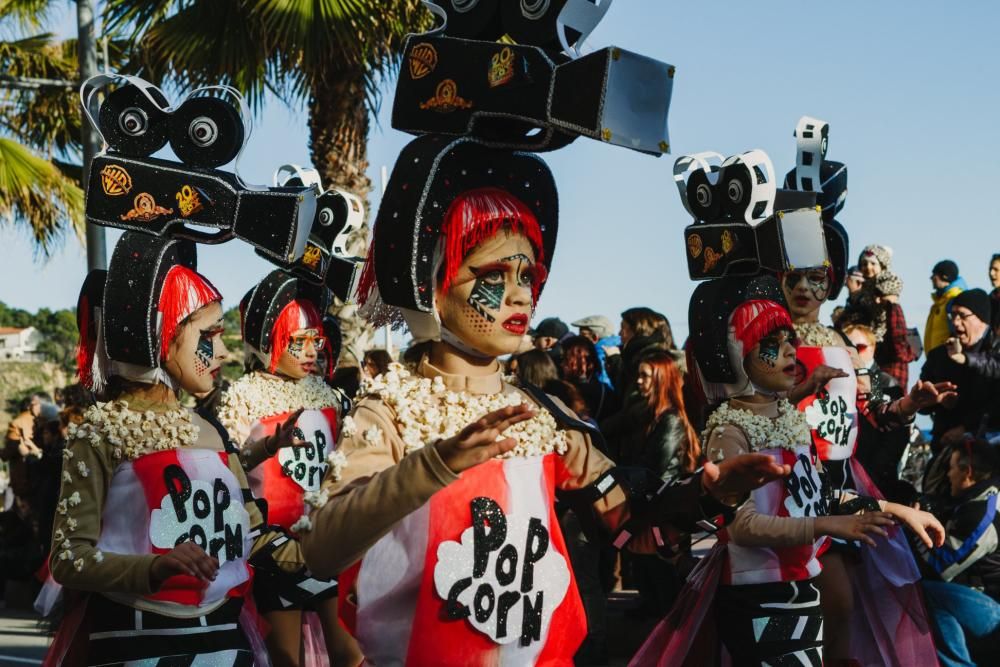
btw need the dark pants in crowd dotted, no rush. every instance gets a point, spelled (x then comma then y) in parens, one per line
(585, 556)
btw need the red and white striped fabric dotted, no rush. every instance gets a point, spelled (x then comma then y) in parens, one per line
(184, 494)
(283, 479)
(832, 414)
(798, 495)
(479, 575)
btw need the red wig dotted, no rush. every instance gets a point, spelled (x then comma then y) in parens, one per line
(756, 319)
(667, 394)
(87, 346)
(473, 217)
(298, 314)
(184, 292)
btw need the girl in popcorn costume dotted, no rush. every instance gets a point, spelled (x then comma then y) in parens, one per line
(445, 505)
(155, 519)
(284, 338)
(760, 583)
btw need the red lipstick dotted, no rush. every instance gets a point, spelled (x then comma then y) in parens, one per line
(516, 324)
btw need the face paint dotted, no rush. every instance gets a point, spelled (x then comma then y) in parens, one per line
(490, 286)
(299, 358)
(770, 365)
(205, 350)
(489, 305)
(195, 355)
(805, 291)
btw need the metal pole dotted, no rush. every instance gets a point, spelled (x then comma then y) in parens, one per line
(97, 256)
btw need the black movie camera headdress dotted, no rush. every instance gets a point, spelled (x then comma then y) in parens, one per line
(532, 90)
(339, 214)
(743, 224)
(828, 179)
(429, 174)
(129, 189)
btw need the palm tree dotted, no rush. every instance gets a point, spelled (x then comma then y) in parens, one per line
(39, 124)
(331, 54)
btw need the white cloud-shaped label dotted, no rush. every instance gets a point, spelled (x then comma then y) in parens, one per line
(203, 512)
(803, 489)
(306, 464)
(504, 576)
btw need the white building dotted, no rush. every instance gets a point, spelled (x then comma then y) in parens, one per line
(19, 344)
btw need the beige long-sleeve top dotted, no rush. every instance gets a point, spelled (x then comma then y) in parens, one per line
(381, 484)
(750, 528)
(77, 527)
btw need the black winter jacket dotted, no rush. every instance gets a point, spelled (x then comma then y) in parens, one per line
(978, 383)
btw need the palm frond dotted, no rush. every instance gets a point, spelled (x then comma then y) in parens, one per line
(34, 193)
(29, 14)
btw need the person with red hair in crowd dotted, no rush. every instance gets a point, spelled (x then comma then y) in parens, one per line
(155, 520)
(284, 341)
(444, 512)
(655, 433)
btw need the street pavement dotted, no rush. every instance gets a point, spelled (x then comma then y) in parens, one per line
(22, 640)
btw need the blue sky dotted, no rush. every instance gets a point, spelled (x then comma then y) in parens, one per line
(909, 89)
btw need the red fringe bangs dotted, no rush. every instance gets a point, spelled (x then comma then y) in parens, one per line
(184, 292)
(288, 322)
(473, 217)
(87, 346)
(753, 320)
(479, 215)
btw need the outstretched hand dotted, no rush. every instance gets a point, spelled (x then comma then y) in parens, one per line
(284, 435)
(925, 395)
(731, 479)
(477, 442)
(860, 527)
(816, 381)
(924, 524)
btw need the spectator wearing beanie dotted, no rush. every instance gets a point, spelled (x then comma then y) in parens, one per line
(548, 336)
(874, 259)
(971, 360)
(947, 285)
(893, 353)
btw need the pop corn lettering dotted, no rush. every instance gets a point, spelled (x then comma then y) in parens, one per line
(306, 464)
(201, 512)
(831, 420)
(504, 576)
(805, 491)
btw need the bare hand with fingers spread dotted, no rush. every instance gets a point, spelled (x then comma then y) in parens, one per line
(731, 479)
(477, 442)
(854, 526)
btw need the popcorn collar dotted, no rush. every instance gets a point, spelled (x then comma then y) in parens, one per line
(256, 395)
(132, 433)
(815, 334)
(788, 430)
(427, 411)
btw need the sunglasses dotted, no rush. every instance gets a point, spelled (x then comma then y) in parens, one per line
(861, 347)
(319, 342)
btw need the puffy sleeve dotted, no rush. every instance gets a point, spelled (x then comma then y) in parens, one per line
(76, 562)
(371, 484)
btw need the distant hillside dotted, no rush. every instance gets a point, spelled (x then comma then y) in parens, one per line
(18, 378)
